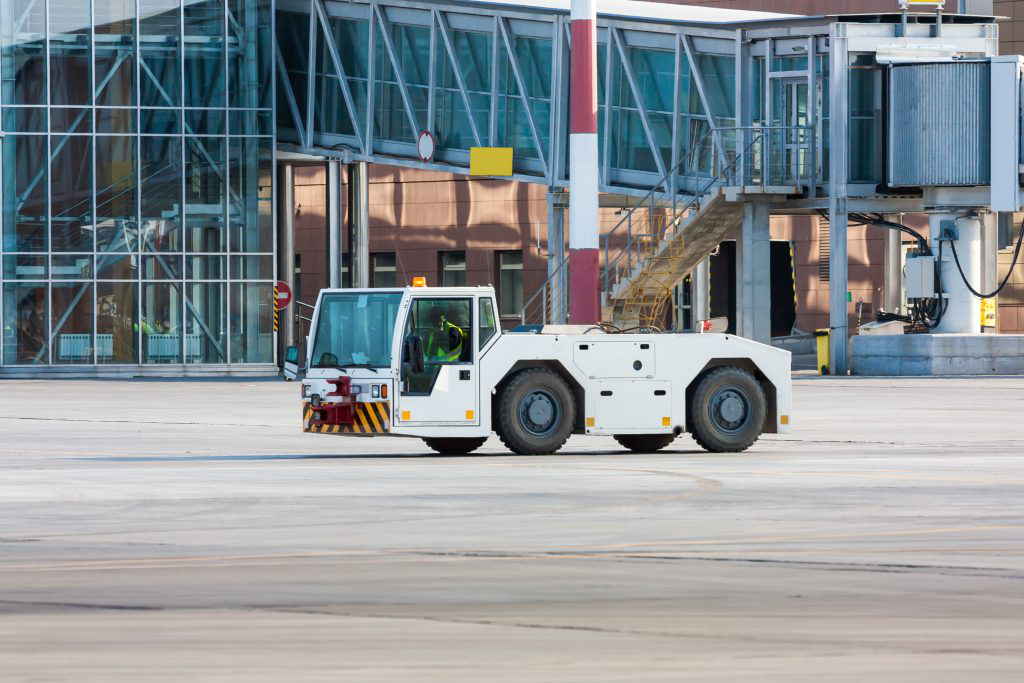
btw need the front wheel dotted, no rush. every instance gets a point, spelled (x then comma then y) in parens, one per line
(644, 443)
(728, 410)
(536, 412)
(455, 446)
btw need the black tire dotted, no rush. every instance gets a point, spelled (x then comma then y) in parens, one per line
(644, 443)
(451, 446)
(536, 412)
(728, 410)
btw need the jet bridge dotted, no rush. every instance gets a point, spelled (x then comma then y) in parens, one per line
(709, 121)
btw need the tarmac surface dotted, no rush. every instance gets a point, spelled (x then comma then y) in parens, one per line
(188, 531)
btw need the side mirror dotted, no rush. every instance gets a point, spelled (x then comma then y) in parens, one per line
(414, 355)
(712, 325)
(291, 363)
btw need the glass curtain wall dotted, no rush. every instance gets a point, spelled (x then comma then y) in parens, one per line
(136, 181)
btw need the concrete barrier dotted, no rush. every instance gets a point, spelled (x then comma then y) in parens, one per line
(937, 354)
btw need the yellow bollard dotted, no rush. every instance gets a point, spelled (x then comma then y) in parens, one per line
(823, 337)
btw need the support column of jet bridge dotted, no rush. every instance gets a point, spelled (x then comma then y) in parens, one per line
(584, 301)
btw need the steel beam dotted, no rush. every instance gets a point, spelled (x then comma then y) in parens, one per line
(342, 76)
(286, 251)
(311, 75)
(698, 80)
(389, 47)
(334, 236)
(289, 95)
(627, 68)
(521, 87)
(838, 165)
(442, 24)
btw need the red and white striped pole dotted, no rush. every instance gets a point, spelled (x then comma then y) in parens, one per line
(584, 287)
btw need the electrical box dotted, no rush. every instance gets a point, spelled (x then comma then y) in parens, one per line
(919, 277)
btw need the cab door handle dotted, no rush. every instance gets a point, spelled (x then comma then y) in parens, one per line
(463, 374)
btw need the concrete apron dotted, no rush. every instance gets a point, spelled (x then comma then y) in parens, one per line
(937, 354)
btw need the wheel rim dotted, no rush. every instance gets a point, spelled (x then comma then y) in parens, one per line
(539, 412)
(729, 409)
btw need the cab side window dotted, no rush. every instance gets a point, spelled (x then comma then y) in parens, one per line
(488, 326)
(445, 326)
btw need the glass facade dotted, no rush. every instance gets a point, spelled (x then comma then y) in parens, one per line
(137, 182)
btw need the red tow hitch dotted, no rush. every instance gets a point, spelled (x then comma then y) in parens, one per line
(343, 413)
(333, 414)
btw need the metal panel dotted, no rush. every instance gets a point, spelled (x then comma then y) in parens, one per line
(939, 123)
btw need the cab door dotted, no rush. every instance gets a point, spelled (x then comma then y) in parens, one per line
(446, 392)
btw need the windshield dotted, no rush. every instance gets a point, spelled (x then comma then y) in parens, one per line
(355, 329)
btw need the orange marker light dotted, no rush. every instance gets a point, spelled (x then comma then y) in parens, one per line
(383, 390)
(419, 282)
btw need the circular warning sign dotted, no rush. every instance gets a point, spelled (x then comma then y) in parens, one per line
(282, 294)
(425, 146)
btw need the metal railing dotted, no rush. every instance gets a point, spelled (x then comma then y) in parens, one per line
(548, 304)
(783, 156)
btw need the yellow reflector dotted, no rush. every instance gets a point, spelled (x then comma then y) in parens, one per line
(490, 161)
(419, 282)
(590, 422)
(405, 414)
(784, 419)
(666, 421)
(470, 414)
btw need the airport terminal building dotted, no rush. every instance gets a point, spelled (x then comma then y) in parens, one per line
(164, 162)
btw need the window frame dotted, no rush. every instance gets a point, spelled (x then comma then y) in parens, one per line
(500, 267)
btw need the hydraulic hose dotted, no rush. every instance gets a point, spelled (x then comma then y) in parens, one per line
(1009, 272)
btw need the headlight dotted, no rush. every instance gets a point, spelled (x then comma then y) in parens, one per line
(306, 389)
(375, 391)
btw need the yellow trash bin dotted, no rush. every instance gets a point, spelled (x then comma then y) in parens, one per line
(823, 337)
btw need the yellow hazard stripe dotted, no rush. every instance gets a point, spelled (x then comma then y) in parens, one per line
(371, 412)
(370, 418)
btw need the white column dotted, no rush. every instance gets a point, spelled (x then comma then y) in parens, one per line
(963, 309)
(334, 236)
(700, 290)
(838, 309)
(359, 224)
(892, 286)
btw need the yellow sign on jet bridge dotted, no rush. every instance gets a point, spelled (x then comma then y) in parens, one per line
(490, 161)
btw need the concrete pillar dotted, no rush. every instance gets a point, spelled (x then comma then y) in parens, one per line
(359, 224)
(892, 286)
(963, 309)
(753, 274)
(556, 257)
(286, 253)
(700, 290)
(334, 234)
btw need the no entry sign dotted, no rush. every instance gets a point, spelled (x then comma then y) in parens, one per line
(282, 295)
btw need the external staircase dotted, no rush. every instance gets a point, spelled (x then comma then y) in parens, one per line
(680, 221)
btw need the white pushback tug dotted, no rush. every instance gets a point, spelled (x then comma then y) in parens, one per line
(433, 363)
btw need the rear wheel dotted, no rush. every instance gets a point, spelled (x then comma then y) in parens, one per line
(644, 443)
(728, 410)
(454, 446)
(536, 412)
